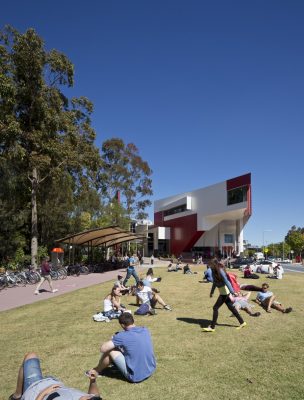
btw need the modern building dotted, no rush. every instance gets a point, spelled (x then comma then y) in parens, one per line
(204, 221)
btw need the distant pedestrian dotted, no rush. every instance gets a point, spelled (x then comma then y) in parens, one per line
(152, 259)
(45, 276)
(131, 270)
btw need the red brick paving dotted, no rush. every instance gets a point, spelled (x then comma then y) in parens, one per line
(19, 296)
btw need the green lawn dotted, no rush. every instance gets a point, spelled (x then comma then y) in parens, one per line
(263, 360)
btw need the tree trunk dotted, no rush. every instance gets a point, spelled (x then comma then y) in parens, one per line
(34, 239)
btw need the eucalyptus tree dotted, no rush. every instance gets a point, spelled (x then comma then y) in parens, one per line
(125, 177)
(41, 130)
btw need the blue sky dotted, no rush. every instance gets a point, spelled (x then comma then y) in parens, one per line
(206, 90)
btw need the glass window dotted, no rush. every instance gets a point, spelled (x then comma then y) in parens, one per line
(175, 210)
(228, 238)
(238, 195)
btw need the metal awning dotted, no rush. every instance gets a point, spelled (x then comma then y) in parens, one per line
(108, 236)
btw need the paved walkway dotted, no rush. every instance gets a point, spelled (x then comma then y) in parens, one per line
(19, 296)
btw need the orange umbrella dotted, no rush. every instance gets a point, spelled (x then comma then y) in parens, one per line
(57, 250)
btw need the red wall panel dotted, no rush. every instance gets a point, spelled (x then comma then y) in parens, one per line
(238, 181)
(184, 232)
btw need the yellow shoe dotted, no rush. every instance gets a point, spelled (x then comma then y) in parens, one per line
(241, 326)
(209, 329)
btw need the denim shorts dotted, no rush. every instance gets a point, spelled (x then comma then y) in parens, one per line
(120, 363)
(31, 372)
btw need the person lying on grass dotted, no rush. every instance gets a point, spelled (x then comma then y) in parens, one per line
(240, 302)
(266, 299)
(31, 385)
(130, 350)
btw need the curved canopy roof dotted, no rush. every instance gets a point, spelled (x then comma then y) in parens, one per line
(108, 236)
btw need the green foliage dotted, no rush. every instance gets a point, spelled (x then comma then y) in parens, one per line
(123, 171)
(53, 180)
(295, 239)
(44, 135)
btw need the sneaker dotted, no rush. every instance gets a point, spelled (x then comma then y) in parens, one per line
(55, 290)
(152, 311)
(256, 314)
(36, 292)
(167, 307)
(208, 329)
(12, 397)
(242, 326)
(288, 310)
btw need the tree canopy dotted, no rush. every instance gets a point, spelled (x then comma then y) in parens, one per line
(53, 178)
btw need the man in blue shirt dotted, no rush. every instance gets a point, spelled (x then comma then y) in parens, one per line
(131, 270)
(130, 350)
(266, 299)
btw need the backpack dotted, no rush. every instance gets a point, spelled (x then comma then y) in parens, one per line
(234, 283)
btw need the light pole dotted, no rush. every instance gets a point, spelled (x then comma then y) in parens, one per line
(265, 230)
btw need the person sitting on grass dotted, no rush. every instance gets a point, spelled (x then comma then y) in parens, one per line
(266, 299)
(278, 272)
(148, 299)
(172, 268)
(248, 273)
(240, 302)
(119, 283)
(150, 276)
(208, 275)
(112, 308)
(31, 385)
(130, 350)
(187, 269)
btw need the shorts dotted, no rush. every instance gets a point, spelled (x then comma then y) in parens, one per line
(242, 304)
(120, 363)
(31, 372)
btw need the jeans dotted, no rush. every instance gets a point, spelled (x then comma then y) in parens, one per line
(32, 372)
(131, 271)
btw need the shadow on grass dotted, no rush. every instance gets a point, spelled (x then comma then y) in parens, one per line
(202, 322)
(113, 373)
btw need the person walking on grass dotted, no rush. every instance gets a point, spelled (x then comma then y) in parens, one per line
(221, 281)
(130, 350)
(31, 385)
(45, 276)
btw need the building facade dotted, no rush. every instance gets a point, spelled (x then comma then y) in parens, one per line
(204, 221)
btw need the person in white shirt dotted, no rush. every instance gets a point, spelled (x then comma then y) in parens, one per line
(278, 272)
(146, 296)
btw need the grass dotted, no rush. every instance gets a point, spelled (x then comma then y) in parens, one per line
(263, 360)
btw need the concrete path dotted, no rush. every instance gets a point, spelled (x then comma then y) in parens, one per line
(19, 296)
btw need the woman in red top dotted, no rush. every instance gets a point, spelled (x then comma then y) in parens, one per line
(45, 276)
